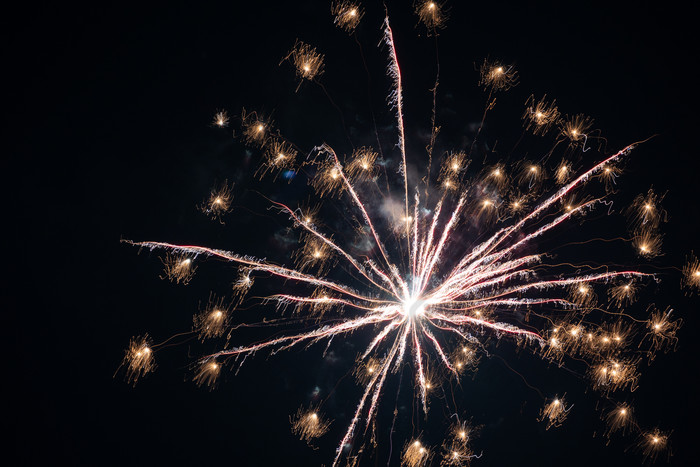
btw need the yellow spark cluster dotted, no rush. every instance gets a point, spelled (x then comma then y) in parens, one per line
(207, 374)
(662, 331)
(306, 60)
(314, 254)
(691, 274)
(497, 76)
(465, 358)
(619, 419)
(178, 268)
(530, 174)
(583, 295)
(576, 127)
(563, 172)
(219, 202)
(432, 14)
(256, 129)
(138, 359)
(242, 284)
(416, 455)
(328, 180)
(540, 115)
(608, 175)
(646, 211)
(455, 449)
(362, 166)
(366, 369)
(221, 119)
(615, 374)
(647, 243)
(624, 294)
(554, 412)
(347, 15)
(213, 320)
(309, 424)
(496, 176)
(279, 155)
(454, 164)
(653, 444)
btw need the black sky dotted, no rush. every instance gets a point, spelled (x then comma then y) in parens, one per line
(108, 118)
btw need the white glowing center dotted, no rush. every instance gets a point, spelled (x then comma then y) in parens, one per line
(414, 307)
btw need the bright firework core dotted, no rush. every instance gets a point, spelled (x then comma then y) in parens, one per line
(414, 307)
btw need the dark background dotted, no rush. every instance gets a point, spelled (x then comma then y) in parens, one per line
(108, 112)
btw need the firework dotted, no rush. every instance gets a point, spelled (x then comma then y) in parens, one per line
(416, 455)
(432, 14)
(221, 119)
(554, 412)
(309, 424)
(138, 359)
(219, 202)
(307, 62)
(426, 297)
(347, 15)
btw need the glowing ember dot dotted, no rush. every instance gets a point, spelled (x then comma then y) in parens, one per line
(487, 203)
(455, 166)
(371, 370)
(280, 156)
(306, 68)
(556, 401)
(643, 248)
(314, 416)
(574, 132)
(539, 115)
(655, 440)
(462, 434)
(431, 5)
(187, 261)
(497, 172)
(365, 166)
(260, 128)
(218, 314)
(307, 220)
(214, 366)
(499, 70)
(217, 201)
(568, 207)
(647, 206)
(353, 12)
(427, 386)
(657, 326)
(317, 254)
(417, 443)
(697, 273)
(422, 450)
(623, 412)
(607, 169)
(533, 169)
(627, 287)
(582, 289)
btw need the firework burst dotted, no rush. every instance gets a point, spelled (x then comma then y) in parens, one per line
(418, 287)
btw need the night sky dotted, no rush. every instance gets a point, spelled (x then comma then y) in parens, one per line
(109, 125)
